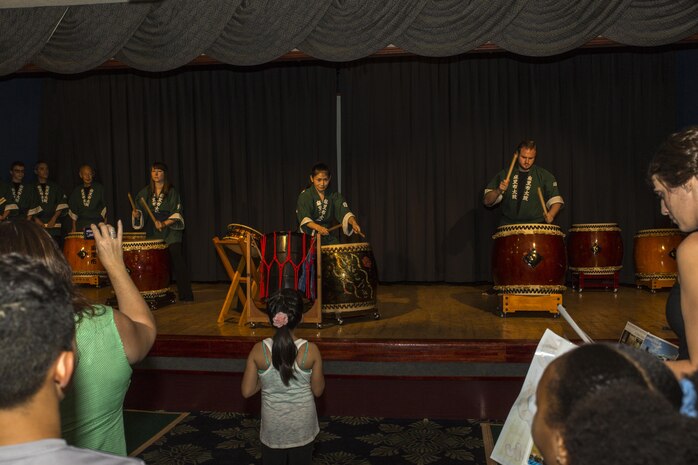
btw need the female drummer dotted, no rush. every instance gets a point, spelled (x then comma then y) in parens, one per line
(164, 204)
(673, 172)
(318, 207)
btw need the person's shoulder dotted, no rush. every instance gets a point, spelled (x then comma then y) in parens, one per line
(143, 192)
(542, 170)
(80, 456)
(689, 244)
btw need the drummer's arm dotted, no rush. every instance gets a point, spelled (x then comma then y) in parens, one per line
(552, 212)
(134, 322)
(316, 227)
(687, 260)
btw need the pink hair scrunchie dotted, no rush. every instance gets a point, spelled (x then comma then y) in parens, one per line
(280, 319)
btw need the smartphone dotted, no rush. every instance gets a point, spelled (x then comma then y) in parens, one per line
(88, 234)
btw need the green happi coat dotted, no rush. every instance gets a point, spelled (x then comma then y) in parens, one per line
(87, 207)
(323, 212)
(26, 200)
(520, 202)
(52, 199)
(6, 200)
(164, 207)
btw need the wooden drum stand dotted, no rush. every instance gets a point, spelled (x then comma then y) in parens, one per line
(247, 274)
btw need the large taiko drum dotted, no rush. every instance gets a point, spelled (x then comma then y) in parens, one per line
(529, 259)
(287, 262)
(238, 232)
(148, 263)
(595, 248)
(81, 254)
(349, 278)
(655, 253)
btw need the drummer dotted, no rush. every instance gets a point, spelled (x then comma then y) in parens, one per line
(517, 190)
(165, 205)
(54, 203)
(86, 202)
(318, 207)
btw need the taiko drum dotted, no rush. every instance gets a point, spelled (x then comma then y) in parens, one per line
(238, 232)
(595, 248)
(148, 263)
(349, 278)
(81, 254)
(655, 253)
(529, 259)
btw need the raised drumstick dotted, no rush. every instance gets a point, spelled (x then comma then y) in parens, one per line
(511, 167)
(150, 214)
(542, 201)
(133, 204)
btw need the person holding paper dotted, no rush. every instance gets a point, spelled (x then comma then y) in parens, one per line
(163, 219)
(673, 174)
(527, 193)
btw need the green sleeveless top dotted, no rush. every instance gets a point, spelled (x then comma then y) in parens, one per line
(92, 411)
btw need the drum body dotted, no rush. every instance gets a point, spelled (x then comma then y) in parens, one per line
(81, 255)
(148, 263)
(529, 259)
(349, 278)
(595, 248)
(655, 253)
(130, 236)
(237, 232)
(287, 262)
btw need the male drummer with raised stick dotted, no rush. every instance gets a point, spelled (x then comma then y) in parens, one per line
(528, 193)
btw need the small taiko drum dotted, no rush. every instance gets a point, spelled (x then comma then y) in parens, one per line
(148, 263)
(81, 254)
(130, 236)
(529, 259)
(595, 248)
(287, 262)
(349, 278)
(655, 253)
(238, 232)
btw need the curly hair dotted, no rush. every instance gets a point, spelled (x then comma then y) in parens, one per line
(632, 426)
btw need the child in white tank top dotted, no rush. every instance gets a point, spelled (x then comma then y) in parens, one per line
(288, 371)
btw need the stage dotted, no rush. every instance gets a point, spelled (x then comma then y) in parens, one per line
(432, 342)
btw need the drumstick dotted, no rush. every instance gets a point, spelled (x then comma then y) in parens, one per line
(2, 200)
(133, 204)
(150, 214)
(511, 167)
(542, 201)
(337, 226)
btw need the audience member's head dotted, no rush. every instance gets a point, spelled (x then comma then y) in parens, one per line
(29, 239)
(37, 327)
(285, 311)
(607, 404)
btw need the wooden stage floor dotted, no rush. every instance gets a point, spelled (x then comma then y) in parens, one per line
(414, 316)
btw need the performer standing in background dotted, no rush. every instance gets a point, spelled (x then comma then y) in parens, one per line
(7, 203)
(86, 202)
(318, 207)
(164, 203)
(521, 203)
(53, 201)
(25, 198)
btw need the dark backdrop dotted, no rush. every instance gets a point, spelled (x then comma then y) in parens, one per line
(238, 143)
(421, 138)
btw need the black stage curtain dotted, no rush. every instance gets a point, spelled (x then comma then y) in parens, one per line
(239, 143)
(422, 137)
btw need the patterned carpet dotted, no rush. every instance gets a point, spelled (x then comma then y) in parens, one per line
(233, 438)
